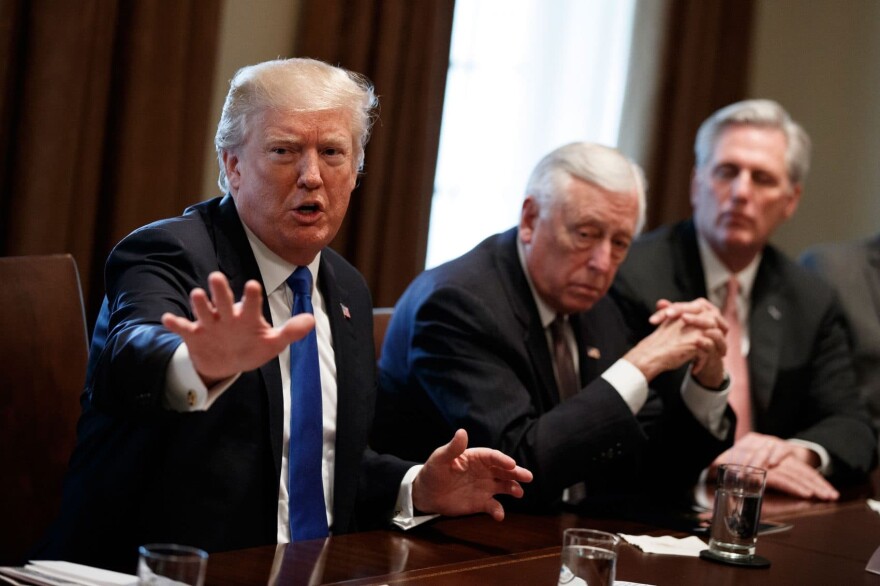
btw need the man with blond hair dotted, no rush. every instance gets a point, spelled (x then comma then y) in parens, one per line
(225, 424)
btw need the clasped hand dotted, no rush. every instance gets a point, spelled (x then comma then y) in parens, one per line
(689, 331)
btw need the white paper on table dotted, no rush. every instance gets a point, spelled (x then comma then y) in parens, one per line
(667, 545)
(58, 572)
(874, 505)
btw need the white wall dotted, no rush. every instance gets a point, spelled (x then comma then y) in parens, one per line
(251, 31)
(821, 60)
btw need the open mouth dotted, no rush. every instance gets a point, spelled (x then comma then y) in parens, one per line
(310, 208)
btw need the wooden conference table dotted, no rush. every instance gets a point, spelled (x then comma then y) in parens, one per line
(828, 544)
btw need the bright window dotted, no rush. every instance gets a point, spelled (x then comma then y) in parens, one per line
(525, 76)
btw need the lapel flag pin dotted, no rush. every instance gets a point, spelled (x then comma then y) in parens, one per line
(594, 353)
(345, 311)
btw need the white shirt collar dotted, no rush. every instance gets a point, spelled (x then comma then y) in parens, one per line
(546, 313)
(717, 275)
(274, 269)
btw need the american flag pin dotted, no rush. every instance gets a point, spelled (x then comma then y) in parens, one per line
(594, 353)
(345, 311)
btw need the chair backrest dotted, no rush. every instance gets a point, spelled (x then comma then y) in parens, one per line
(44, 348)
(381, 317)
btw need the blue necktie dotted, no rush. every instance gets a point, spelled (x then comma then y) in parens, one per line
(308, 513)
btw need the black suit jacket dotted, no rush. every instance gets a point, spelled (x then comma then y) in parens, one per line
(800, 365)
(466, 348)
(143, 474)
(853, 270)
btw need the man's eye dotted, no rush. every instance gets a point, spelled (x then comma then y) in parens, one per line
(725, 172)
(280, 151)
(585, 237)
(764, 179)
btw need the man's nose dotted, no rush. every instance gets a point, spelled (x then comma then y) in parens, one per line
(600, 256)
(742, 185)
(309, 170)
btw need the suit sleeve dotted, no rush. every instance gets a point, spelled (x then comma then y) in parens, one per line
(835, 415)
(149, 273)
(477, 373)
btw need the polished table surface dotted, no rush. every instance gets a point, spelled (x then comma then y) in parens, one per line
(828, 544)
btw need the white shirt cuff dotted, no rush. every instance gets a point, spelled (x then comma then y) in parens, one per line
(706, 405)
(184, 389)
(629, 382)
(824, 458)
(404, 511)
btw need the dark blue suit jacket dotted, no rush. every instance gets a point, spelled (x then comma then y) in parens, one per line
(142, 474)
(801, 373)
(466, 348)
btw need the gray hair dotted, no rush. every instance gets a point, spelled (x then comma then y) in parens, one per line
(765, 114)
(600, 165)
(304, 85)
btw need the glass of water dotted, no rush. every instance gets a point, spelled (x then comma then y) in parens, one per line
(737, 511)
(589, 556)
(167, 564)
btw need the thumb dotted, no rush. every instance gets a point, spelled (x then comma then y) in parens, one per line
(456, 447)
(494, 509)
(297, 327)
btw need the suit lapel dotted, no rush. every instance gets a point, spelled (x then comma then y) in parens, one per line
(593, 343)
(347, 415)
(687, 265)
(237, 262)
(519, 296)
(765, 332)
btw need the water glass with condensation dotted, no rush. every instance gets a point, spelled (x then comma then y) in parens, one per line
(737, 510)
(168, 564)
(589, 556)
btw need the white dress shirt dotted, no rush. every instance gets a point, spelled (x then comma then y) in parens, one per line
(717, 275)
(706, 405)
(186, 392)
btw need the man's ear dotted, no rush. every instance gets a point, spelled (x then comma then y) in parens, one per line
(528, 217)
(230, 165)
(794, 199)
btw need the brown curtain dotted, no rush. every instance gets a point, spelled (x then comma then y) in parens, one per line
(704, 66)
(103, 120)
(403, 47)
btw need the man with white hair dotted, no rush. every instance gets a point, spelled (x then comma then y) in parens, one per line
(516, 342)
(205, 425)
(793, 384)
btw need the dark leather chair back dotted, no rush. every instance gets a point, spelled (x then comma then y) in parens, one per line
(44, 349)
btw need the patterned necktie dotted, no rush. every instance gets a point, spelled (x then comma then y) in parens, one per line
(735, 363)
(308, 512)
(568, 388)
(568, 380)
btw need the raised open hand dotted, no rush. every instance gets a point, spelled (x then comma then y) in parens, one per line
(228, 337)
